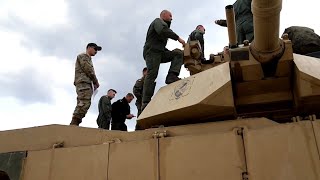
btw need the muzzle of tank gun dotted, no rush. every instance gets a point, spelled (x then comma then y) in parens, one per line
(231, 24)
(266, 46)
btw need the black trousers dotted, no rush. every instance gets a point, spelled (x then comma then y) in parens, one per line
(118, 126)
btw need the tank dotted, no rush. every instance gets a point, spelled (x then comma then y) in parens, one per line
(259, 79)
(251, 113)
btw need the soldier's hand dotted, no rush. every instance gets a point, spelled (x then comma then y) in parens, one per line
(181, 41)
(130, 116)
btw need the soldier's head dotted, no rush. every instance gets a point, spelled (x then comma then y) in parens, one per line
(166, 15)
(93, 48)
(129, 97)
(201, 28)
(111, 93)
(144, 71)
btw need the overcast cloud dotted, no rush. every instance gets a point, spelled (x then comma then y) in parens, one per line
(41, 39)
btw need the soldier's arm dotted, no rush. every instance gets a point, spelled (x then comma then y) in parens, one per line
(106, 107)
(199, 37)
(221, 22)
(163, 29)
(87, 68)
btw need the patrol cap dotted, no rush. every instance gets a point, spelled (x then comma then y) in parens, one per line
(95, 46)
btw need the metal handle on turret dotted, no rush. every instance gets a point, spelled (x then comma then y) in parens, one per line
(266, 45)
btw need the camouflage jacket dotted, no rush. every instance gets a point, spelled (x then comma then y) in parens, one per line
(197, 35)
(138, 88)
(84, 71)
(105, 109)
(157, 36)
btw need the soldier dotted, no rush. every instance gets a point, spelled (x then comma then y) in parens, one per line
(244, 20)
(120, 112)
(84, 79)
(304, 40)
(197, 34)
(155, 52)
(138, 90)
(104, 106)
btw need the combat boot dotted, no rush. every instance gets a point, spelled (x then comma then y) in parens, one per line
(172, 77)
(75, 121)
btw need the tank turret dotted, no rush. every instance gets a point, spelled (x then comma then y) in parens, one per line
(259, 79)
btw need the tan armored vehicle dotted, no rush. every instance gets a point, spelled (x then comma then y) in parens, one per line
(251, 114)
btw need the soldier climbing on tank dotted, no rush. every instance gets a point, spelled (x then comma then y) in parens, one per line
(244, 20)
(197, 35)
(155, 53)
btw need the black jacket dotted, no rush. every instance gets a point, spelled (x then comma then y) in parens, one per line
(120, 110)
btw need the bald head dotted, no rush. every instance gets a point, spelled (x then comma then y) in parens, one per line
(166, 15)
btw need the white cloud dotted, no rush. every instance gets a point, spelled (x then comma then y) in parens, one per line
(37, 12)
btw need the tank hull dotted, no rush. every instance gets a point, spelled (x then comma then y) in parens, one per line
(255, 148)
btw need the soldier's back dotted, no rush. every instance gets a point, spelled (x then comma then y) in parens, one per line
(304, 40)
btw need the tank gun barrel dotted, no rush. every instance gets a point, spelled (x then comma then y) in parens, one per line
(266, 19)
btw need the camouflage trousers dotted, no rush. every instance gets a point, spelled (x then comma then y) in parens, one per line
(245, 31)
(84, 94)
(153, 61)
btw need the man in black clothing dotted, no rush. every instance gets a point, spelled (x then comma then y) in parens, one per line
(121, 112)
(105, 108)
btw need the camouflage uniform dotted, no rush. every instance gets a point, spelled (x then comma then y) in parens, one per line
(137, 91)
(244, 20)
(155, 53)
(304, 40)
(84, 77)
(104, 116)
